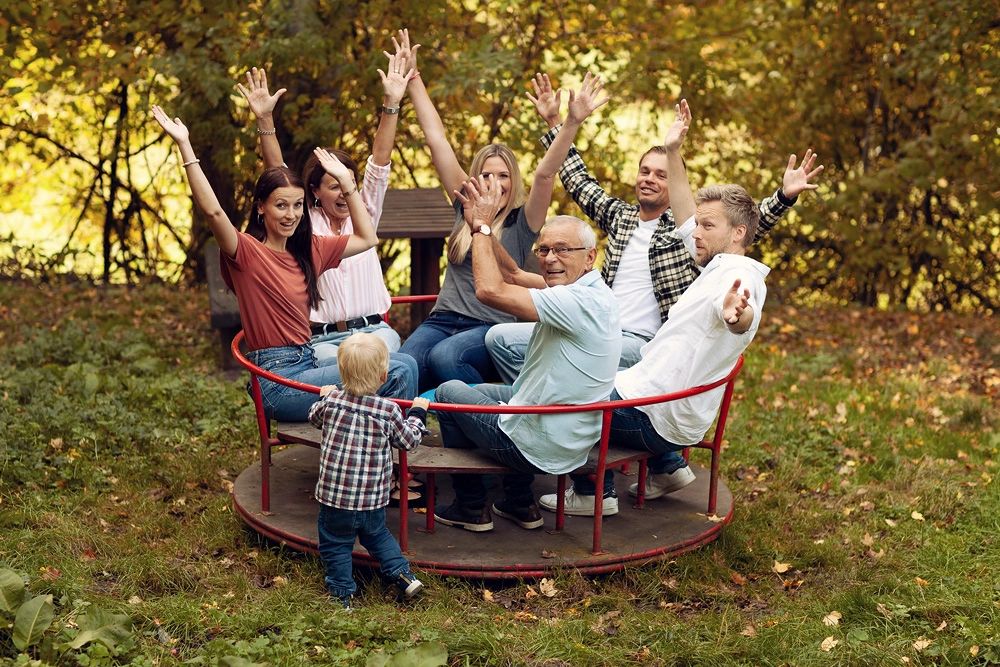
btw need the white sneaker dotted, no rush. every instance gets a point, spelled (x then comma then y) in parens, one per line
(664, 483)
(577, 505)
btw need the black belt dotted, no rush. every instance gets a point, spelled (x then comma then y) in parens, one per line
(345, 325)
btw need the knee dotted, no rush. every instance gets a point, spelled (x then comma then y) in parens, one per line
(445, 393)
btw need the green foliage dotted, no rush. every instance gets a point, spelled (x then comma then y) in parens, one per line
(896, 99)
(33, 630)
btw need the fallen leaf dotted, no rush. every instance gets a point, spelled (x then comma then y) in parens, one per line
(921, 644)
(279, 581)
(833, 618)
(881, 608)
(88, 555)
(867, 506)
(715, 518)
(530, 593)
(828, 644)
(944, 624)
(737, 578)
(974, 650)
(890, 523)
(749, 631)
(916, 516)
(487, 595)
(547, 588)
(867, 540)
(780, 568)
(604, 625)
(920, 581)
(51, 573)
(135, 599)
(548, 554)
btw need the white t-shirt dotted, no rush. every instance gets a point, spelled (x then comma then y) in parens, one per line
(633, 286)
(695, 347)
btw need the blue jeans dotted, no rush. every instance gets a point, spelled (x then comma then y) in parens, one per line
(337, 531)
(449, 346)
(631, 429)
(326, 344)
(299, 363)
(471, 430)
(507, 345)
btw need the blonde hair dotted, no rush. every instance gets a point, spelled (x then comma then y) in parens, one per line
(461, 238)
(737, 204)
(363, 360)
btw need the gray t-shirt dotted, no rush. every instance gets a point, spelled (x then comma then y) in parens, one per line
(458, 294)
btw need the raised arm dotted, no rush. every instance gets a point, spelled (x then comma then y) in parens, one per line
(262, 105)
(448, 168)
(218, 222)
(511, 272)
(394, 85)
(364, 236)
(483, 201)
(681, 198)
(795, 182)
(580, 108)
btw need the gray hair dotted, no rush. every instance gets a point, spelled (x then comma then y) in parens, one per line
(588, 239)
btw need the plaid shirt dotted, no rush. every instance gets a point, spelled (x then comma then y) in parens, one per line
(355, 460)
(670, 264)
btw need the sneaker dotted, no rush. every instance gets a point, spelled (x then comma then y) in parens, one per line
(478, 521)
(580, 505)
(526, 517)
(345, 603)
(409, 584)
(664, 483)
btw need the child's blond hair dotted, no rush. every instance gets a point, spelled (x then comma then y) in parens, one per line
(363, 360)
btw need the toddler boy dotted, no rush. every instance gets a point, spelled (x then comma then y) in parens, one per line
(356, 464)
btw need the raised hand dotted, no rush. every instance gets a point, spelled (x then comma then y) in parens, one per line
(480, 197)
(406, 52)
(735, 303)
(175, 128)
(395, 81)
(797, 181)
(257, 96)
(335, 168)
(583, 104)
(546, 102)
(679, 129)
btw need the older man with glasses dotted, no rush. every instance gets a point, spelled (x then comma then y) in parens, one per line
(571, 358)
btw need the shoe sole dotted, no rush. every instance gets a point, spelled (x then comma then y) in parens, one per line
(474, 527)
(663, 492)
(583, 512)
(529, 525)
(413, 589)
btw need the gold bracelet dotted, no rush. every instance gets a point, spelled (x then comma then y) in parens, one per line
(348, 194)
(260, 131)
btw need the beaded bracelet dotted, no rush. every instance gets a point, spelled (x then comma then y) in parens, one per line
(260, 131)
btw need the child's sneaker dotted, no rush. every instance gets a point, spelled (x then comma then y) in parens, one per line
(409, 584)
(343, 602)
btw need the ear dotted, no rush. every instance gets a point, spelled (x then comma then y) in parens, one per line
(591, 258)
(739, 234)
(385, 376)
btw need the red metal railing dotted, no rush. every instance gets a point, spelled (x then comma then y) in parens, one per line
(606, 407)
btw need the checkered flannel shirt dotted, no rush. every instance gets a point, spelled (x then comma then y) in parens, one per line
(671, 265)
(355, 462)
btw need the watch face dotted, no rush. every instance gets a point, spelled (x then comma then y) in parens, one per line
(485, 229)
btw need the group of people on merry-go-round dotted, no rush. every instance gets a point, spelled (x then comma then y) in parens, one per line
(307, 277)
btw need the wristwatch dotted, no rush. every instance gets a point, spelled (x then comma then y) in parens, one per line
(485, 230)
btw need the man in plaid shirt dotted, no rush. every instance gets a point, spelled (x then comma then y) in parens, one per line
(356, 465)
(647, 263)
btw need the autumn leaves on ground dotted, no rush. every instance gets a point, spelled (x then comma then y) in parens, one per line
(861, 452)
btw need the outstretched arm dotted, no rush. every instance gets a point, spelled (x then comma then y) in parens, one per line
(681, 198)
(222, 229)
(262, 105)
(394, 85)
(364, 236)
(580, 108)
(449, 170)
(736, 310)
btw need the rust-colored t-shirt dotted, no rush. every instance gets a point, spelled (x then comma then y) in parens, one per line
(271, 289)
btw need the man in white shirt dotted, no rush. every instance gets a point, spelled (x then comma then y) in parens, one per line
(710, 325)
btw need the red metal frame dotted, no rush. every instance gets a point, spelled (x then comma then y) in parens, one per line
(606, 407)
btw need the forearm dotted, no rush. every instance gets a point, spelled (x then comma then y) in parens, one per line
(742, 324)
(681, 198)
(204, 197)
(772, 209)
(363, 237)
(449, 170)
(269, 147)
(512, 273)
(385, 136)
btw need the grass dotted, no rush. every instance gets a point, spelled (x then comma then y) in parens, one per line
(862, 454)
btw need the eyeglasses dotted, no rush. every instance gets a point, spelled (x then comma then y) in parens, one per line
(561, 253)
